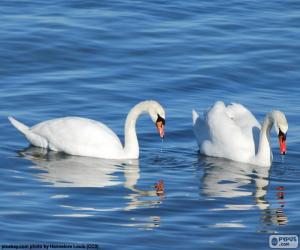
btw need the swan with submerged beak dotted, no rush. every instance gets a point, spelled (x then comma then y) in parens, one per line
(85, 137)
(232, 132)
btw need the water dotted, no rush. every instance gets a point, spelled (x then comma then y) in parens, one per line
(97, 59)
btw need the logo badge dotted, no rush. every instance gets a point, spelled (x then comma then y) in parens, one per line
(283, 241)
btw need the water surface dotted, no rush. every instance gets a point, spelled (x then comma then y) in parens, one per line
(97, 59)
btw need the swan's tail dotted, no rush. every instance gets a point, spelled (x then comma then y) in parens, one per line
(18, 125)
(195, 116)
(33, 138)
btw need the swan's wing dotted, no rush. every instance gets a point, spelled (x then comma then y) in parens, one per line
(227, 138)
(79, 136)
(244, 119)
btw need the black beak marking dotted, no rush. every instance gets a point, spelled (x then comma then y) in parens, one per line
(160, 119)
(281, 134)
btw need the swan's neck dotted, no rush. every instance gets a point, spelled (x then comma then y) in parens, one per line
(131, 144)
(264, 154)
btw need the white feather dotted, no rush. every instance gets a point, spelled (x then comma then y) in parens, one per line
(232, 132)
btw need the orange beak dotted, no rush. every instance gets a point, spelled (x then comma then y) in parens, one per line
(282, 143)
(160, 129)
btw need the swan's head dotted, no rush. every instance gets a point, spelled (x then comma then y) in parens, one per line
(281, 127)
(157, 114)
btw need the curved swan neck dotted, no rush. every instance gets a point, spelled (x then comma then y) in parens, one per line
(131, 145)
(264, 154)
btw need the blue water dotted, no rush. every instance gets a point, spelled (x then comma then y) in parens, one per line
(97, 59)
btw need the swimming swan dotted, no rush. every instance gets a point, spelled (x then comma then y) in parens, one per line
(232, 132)
(85, 137)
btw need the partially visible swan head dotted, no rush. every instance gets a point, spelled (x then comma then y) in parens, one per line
(281, 127)
(157, 114)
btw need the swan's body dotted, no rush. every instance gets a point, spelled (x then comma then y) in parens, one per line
(232, 132)
(85, 137)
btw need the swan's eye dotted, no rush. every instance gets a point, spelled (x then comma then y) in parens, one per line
(160, 119)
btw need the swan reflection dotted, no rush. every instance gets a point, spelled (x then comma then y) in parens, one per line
(61, 170)
(229, 179)
(224, 178)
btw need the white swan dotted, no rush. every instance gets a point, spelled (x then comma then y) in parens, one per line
(232, 132)
(85, 137)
